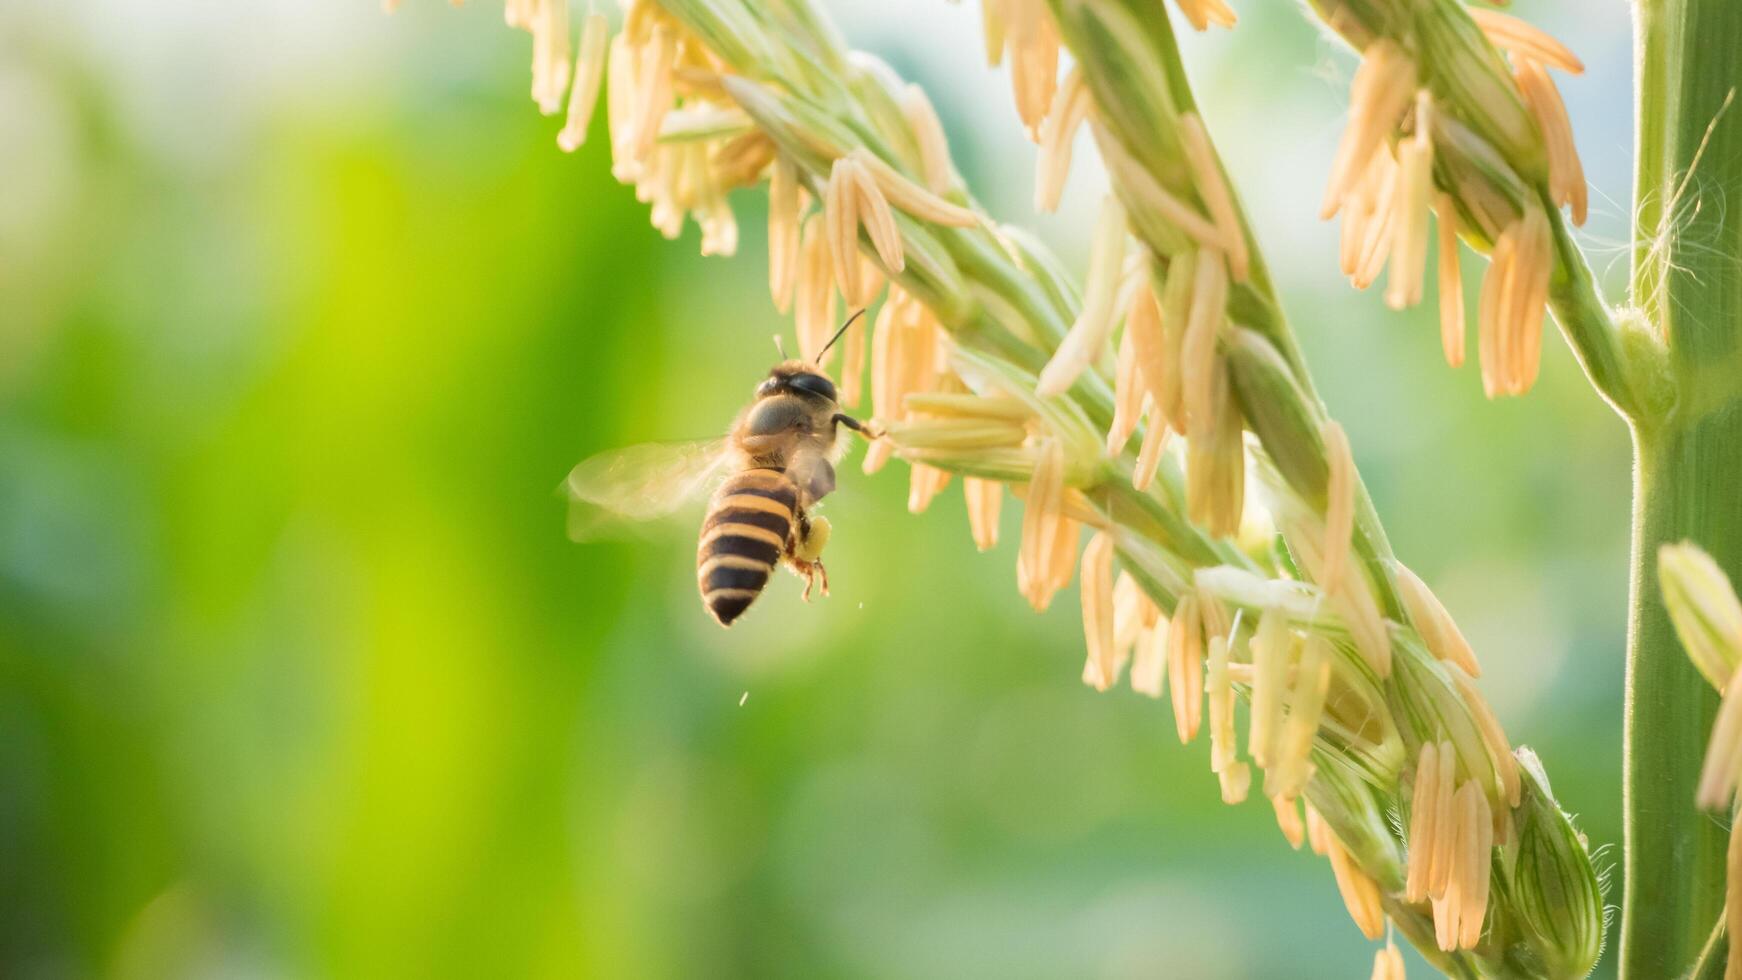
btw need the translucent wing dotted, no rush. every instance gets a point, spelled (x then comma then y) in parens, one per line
(641, 483)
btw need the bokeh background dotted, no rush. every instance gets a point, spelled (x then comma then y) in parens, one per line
(303, 317)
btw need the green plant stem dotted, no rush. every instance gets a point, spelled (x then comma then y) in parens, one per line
(1687, 284)
(1675, 852)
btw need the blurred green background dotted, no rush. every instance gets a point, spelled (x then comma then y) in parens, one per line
(303, 317)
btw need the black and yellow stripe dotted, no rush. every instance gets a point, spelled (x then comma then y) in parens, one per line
(742, 540)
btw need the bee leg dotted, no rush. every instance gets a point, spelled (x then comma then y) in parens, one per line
(863, 428)
(812, 571)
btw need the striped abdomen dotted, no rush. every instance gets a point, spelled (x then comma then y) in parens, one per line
(742, 539)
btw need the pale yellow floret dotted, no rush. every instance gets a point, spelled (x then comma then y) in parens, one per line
(984, 498)
(1088, 336)
(1566, 174)
(1412, 201)
(1213, 188)
(1423, 823)
(814, 303)
(1185, 650)
(1388, 963)
(1052, 165)
(1149, 665)
(1521, 37)
(589, 75)
(1451, 283)
(1288, 820)
(1359, 891)
(1383, 87)
(1100, 670)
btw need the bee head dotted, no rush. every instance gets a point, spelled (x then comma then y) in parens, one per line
(797, 376)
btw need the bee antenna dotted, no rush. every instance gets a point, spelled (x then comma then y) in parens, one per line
(856, 315)
(780, 347)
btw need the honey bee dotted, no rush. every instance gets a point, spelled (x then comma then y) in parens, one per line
(778, 461)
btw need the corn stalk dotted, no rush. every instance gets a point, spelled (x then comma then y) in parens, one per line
(1687, 290)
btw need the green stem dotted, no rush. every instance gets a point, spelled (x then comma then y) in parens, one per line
(1687, 284)
(1675, 852)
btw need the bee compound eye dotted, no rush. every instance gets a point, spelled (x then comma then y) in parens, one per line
(814, 384)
